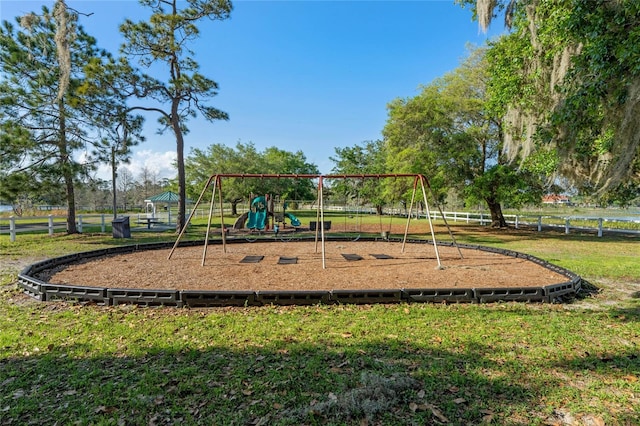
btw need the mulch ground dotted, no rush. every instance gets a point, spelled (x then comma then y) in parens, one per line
(298, 265)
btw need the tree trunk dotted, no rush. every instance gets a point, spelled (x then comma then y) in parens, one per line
(497, 218)
(114, 174)
(71, 202)
(234, 207)
(182, 192)
(67, 173)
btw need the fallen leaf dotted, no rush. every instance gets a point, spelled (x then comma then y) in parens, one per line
(153, 421)
(487, 418)
(593, 420)
(459, 401)
(436, 412)
(103, 409)
(413, 407)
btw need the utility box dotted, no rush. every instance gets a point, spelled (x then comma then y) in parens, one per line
(121, 227)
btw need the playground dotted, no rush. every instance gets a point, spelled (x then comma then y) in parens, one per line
(239, 265)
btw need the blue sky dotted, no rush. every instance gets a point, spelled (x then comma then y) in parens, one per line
(299, 75)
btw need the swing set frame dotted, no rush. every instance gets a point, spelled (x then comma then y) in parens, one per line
(419, 181)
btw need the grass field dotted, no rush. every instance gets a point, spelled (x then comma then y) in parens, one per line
(504, 363)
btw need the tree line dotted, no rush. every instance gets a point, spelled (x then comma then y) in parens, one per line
(66, 105)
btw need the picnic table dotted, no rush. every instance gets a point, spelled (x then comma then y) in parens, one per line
(149, 221)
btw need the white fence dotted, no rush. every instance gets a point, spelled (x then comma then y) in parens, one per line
(14, 225)
(50, 224)
(540, 222)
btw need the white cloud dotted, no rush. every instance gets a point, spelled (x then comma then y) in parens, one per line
(161, 163)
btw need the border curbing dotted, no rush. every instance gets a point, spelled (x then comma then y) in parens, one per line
(43, 291)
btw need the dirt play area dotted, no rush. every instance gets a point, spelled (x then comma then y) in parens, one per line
(297, 265)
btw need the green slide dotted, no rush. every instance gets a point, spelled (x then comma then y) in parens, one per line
(257, 214)
(294, 220)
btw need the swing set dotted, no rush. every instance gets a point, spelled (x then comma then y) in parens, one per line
(353, 217)
(419, 182)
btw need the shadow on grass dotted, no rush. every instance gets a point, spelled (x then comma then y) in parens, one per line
(284, 382)
(627, 313)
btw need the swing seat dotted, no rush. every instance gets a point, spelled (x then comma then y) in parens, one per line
(326, 224)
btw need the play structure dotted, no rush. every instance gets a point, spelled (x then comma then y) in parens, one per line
(262, 215)
(258, 216)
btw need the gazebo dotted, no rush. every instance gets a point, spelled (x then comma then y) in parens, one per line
(166, 197)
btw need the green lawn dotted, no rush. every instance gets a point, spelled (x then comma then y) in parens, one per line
(503, 363)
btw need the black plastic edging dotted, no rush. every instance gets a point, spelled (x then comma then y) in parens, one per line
(360, 297)
(528, 294)
(43, 291)
(210, 299)
(293, 297)
(447, 295)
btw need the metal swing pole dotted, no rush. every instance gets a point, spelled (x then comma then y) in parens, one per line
(413, 197)
(184, 228)
(433, 235)
(453, 239)
(317, 216)
(206, 238)
(320, 185)
(222, 228)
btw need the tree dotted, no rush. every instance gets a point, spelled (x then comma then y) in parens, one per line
(569, 78)
(46, 119)
(279, 161)
(217, 159)
(448, 133)
(164, 39)
(367, 159)
(245, 158)
(119, 129)
(148, 182)
(126, 184)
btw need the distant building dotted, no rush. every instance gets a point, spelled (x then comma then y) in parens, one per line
(556, 199)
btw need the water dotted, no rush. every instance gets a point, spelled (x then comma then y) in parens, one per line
(5, 208)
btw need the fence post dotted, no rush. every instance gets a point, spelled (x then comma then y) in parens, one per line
(102, 223)
(12, 229)
(517, 223)
(50, 225)
(481, 219)
(539, 223)
(566, 226)
(80, 223)
(599, 227)
(467, 217)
